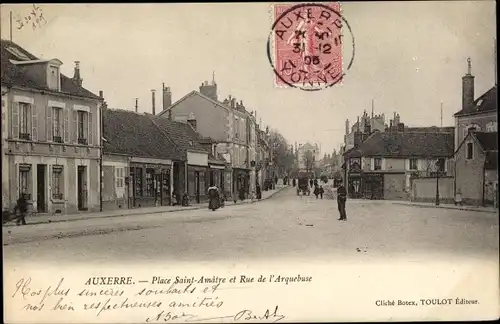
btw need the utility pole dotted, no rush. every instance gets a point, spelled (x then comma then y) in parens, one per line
(437, 182)
(10, 25)
(441, 114)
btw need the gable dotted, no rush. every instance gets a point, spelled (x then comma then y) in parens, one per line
(193, 95)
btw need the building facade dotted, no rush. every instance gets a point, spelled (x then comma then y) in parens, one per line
(52, 144)
(228, 124)
(383, 165)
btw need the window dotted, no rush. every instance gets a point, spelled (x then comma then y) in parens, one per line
(54, 77)
(413, 164)
(491, 127)
(138, 181)
(24, 120)
(82, 127)
(119, 177)
(441, 164)
(57, 124)
(150, 190)
(57, 182)
(377, 163)
(469, 152)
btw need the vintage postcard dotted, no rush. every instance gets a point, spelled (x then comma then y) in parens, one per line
(250, 162)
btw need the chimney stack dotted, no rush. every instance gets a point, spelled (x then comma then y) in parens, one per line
(468, 87)
(347, 126)
(101, 94)
(136, 105)
(153, 101)
(167, 97)
(76, 77)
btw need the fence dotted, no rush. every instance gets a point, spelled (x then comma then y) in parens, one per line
(424, 189)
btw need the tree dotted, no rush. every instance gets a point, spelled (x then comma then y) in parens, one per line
(282, 154)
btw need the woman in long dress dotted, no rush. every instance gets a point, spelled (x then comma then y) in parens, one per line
(214, 198)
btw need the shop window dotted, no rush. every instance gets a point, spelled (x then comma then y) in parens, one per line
(150, 186)
(57, 182)
(441, 164)
(24, 175)
(138, 182)
(377, 164)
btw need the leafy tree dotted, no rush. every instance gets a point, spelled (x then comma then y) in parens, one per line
(282, 154)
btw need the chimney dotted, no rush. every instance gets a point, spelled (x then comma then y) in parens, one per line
(104, 105)
(167, 97)
(367, 129)
(467, 87)
(192, 120)
(401, 127)
(358, 138)
(347, 126)
(390, 125)
(76, 77)
(101, 94)
(136, 105)
(153, 101)
(233, 103)
(209, 90)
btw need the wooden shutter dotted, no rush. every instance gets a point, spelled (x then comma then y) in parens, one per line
(66, 125)
(90, 129)
(34, 123)
(15, 120)
(75, 126)
(51, 181)
(49, 124)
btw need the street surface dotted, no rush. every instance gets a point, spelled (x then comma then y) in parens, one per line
(284, 226)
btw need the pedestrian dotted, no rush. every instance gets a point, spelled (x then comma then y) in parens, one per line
(22, 207)
(341, 200)
(258, 191)
(294, 182)
(311, 182)
(214, 198)
(316, 191)
(321, 191)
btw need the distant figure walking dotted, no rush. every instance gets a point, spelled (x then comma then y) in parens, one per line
(294, 182)
(22, 207)
(316, 191)
(321, 191)
(311, 182)
(214, 198)
(341, 200)
(258, 191)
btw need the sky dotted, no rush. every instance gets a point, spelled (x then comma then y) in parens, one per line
(409, 59)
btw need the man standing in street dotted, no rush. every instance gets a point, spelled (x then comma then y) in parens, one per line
(341, 199)
(22, 208)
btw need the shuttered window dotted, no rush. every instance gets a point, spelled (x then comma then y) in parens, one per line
(83, 125)
(24, 120)
(57, 119)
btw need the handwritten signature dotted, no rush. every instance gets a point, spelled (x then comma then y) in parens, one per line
(35, 18)
(245, 315)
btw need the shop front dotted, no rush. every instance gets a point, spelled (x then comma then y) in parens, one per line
(198, 183)
(149, 184)
(373, 185)
(241, 180)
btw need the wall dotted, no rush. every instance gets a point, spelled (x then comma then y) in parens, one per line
(469, 174)
(394, 187)
(424, 190)
(115, 191)
(5, 164)
(200, 159)
(396, 164)
(462, 122)
(210, 118)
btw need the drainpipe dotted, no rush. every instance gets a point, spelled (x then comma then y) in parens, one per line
(101, 124)
(484, 180)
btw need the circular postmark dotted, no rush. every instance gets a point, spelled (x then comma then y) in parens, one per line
(307, 46)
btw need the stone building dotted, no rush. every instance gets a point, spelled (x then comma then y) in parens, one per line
(228, 123)
(51, 142)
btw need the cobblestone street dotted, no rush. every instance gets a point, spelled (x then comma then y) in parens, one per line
(284, 226)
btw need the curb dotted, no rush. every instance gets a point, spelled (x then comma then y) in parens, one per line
(151, 212)
(446, 207)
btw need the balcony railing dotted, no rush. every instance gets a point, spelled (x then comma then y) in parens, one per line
(25, 136)
(82, 141)
(57, 139)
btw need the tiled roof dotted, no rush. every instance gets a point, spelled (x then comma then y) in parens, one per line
(432, 129)
(485, 103)
(488, 141)
(404, 144)
(132, 134)
(13, 76)
(182, 134)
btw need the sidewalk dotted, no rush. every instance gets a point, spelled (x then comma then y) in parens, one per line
(43, 219)
(448, 206)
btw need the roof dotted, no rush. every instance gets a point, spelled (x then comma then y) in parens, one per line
(133, 134)
(485, 103)
(194, 93)
(12, 75)
(487, 140)
(435, 129)
(182, 134)
(404, 144)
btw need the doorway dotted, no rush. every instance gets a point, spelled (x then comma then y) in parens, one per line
(40, 188)
(197, 186)
(82, 187)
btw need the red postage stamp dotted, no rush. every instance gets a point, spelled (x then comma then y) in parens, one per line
(306, 45)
